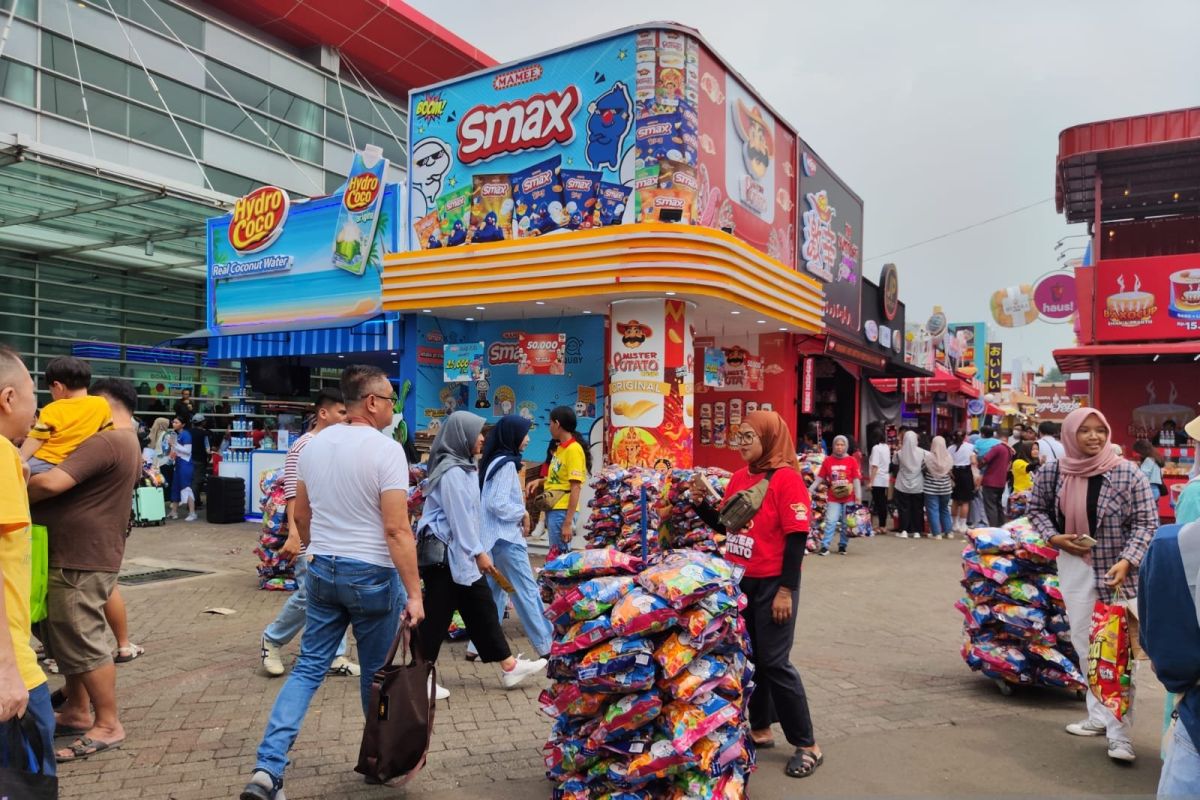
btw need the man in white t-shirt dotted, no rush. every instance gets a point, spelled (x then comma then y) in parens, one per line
(880, 464)
(1050, 449)
(352, 513)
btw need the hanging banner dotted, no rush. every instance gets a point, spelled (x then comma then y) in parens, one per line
(1013, 307)
(463, 362)
(995, 369)
(359, 215)
(714, 367)
(1054, 296)
(808, 387)
(1142, 299)
(541, 353)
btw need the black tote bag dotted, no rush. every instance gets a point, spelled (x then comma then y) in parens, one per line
(16, 782)
(400, 717)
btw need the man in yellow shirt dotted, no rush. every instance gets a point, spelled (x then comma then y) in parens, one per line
(569, 469)
(71, 417)
(23, 689)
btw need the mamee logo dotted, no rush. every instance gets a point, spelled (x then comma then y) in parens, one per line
(258, 219)
(539, 121)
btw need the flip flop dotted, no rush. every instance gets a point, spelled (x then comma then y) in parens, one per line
(126, 654)
(85, 748)
(803, 763)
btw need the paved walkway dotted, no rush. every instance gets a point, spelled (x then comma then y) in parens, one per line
(895, 708)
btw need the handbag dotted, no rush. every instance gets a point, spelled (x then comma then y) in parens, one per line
(399, 724)
(18, 781)
(39, 572)
(431, 551)
(548, 499)
(741, 508)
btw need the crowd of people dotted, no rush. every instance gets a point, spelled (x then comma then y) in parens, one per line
(360, 563)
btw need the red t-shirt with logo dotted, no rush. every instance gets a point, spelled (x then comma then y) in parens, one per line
(839, 472)
(786, 509)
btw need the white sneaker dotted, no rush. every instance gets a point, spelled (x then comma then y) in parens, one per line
(190, 517)
(440, 692)
(344, 667)
(521, 671)
(1087, 728)
(902, 534)
(948, 536)
(1121, 751)
(272, 659)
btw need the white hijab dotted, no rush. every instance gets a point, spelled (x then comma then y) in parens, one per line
(912, 457)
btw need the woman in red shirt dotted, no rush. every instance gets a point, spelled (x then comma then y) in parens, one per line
(770, 549)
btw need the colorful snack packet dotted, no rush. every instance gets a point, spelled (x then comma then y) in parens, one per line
(657, 760)
(1110, 658)
(454, 215)
(658, 137)
(640, 612)
(583, 636)
(537, 199)
(581, 189)
(491, 208)
(615, 655)
(717, 750)
(992, 540)
(687, 722)
(428, 231)
(591, 564)
(589, 599)
(635, 679)
(1059, 661)
(610, 203)
(625, 716)
(685, 576)
(569, 699)
(666, 205)
(675, 653)
(680, 176)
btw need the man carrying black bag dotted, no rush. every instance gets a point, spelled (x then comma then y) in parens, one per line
(352, 514)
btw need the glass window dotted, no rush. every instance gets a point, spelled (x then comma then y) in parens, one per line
(248, 91)
(61, 96)
(296, 110)
(187, 27)
(296, 143)
(183, 100)
(25, 8)
(333, 182)
(227, 117)
(98, 69)
(16, 82)
(229, 183)
(154, 127)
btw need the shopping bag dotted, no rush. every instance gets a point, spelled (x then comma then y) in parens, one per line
(16, 780)
(40, 573)
(400, 717)
(1110, 661)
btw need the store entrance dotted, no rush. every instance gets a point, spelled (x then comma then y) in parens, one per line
(834, 402)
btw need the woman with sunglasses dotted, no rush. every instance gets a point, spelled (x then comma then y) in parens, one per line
(771, 549)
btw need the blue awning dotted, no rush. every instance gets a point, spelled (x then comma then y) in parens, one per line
(383, 333)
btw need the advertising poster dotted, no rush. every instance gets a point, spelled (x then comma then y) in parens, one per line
(462, 362)
(714, 367)
(498, 389)
(542, 353)
(1054, 296)
(831, 221)
(1140, 299)
(271, 264)
(994, 375)
(744, 370)
(360, 212)
(1054, 402)
(965, 342)
(1142, 405)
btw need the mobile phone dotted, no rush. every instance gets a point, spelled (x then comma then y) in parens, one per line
(1085, 541)
(712, 490)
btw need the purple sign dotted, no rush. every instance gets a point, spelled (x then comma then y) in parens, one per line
(1054, 296)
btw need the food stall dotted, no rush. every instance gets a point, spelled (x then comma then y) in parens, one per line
(1133, 181)
(618, 226)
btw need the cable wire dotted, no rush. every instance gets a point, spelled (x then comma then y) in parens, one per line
(959, 230)
(12, 12)
(87, 118)
(355, 73)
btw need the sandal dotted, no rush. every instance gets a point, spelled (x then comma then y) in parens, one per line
(126, 654)
(803, 763)
(85, 747)
(764, 744)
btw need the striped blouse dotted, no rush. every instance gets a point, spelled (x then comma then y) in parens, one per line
(938, 484)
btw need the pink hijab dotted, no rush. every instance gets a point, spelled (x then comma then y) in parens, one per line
(1076, 468)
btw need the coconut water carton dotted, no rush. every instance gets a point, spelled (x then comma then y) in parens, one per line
(354, 235)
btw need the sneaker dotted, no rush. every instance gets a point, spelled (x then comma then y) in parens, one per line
(1087, 728)
(262, 786)
(903, 534)
(824, 551)
(272, 660)
(439, 692)
(521, 671)
(173, 515)
(1121, 751)
(948, 536)
(841, 551)
(345, 668)
(190, 517)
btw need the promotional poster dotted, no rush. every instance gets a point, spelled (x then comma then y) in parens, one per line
(1143, 299)
(831, 234)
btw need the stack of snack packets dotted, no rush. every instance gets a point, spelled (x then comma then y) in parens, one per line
(274, 573)
(616, 517)
(651, 677)
(1015, 626)
(810, 466)
(682, 526)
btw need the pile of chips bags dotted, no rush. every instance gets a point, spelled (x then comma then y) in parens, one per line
(858, 520)
(1015, 624)
(682, 526)
(274, 573)
(810, 465)
(651, 677)
(616, 518)
(416, 493)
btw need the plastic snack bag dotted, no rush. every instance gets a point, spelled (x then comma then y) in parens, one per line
(615, 655)
(589, 599)
(583, 636)
(685, 576)
(537, 198)
(491, 208)
(687, 722)
(642, 612)
(569, 699)
(637, 678)
(591, 564)
(675, 653)
(625, 716)
(1110, 658)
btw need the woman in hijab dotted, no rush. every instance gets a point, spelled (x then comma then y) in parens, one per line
(771, 550)
(1169, 620)
(504, 525)
(910, 487)
(1097, 509)
(939, 484)
(451, 516)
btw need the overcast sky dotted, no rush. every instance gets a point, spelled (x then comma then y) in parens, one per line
(938, 114)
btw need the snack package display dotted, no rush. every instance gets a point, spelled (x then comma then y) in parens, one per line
(581, 191)
(491, 208)
(666, 205)
(1015, 624)
(589, 599)
(653, 712)
(591, 563)
(274, 573)
(611, 201)
(454, 215)
(428, 231)
(1110, 659)
(538, 199)
(616, 518)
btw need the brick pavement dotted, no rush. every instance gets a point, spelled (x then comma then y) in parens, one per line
(877, 645)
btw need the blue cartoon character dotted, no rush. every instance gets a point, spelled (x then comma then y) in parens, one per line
(609, 124)
(435, 242)
(458, 235)
(489, 231)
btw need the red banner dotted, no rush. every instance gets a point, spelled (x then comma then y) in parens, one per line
(541, 353)
(807, 390)
(1142, 299)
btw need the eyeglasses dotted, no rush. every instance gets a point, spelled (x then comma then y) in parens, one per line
(391, 398)
(744, 438)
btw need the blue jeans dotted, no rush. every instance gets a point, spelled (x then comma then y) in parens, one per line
(1180, 775)
(41, 711)
(937, 509)
(834, 514)
(291, 617)
(554, 525)
(341, 592)
(512, 559)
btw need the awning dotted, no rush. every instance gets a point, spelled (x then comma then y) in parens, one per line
(378, 334)
(921, 388)
(1081, 359)
(993, 410)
